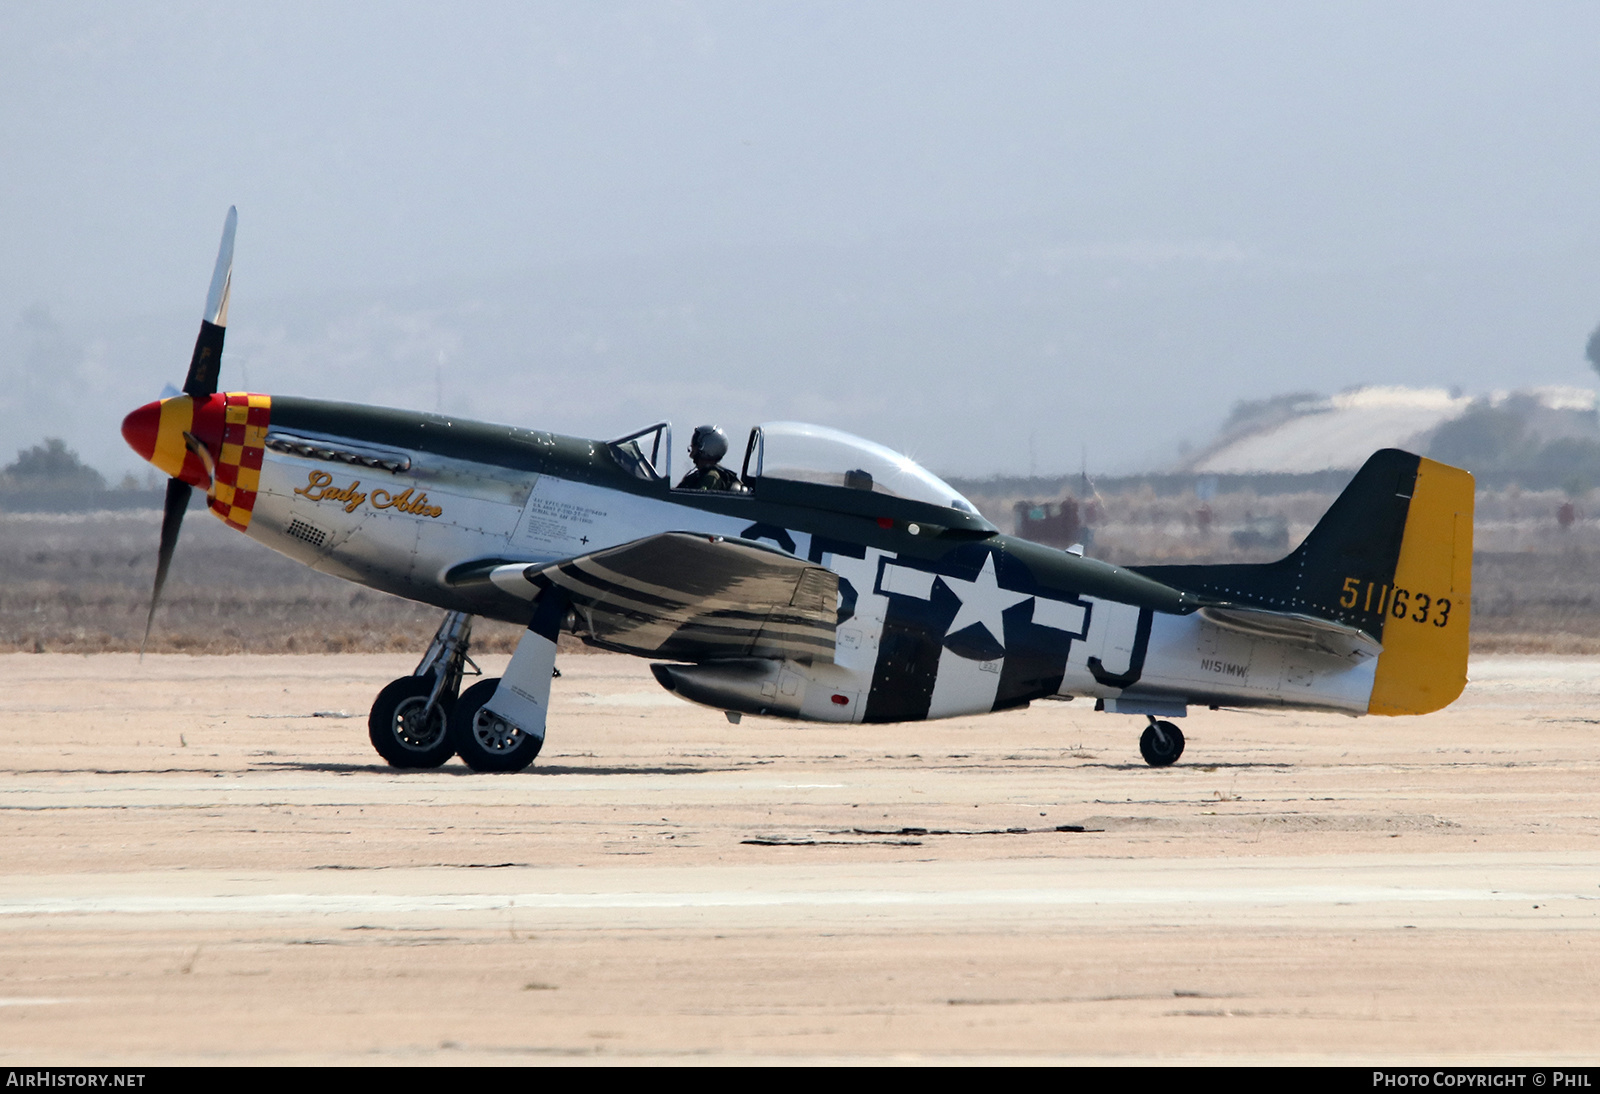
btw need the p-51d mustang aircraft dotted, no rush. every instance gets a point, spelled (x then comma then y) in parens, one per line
(840, 581)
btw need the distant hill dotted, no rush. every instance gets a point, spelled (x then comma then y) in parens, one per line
(1541, 438)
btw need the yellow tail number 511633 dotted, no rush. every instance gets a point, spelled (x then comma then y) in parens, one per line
(1396, 602)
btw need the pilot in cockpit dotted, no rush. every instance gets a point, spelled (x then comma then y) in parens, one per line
(706, 448)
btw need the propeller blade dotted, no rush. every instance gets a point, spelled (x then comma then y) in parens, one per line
(203, 366)
(176, 505)
(197, 446)
(200, 383)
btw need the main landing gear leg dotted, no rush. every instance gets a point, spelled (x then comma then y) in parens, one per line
(1161, 743)
(410, 720)
(498, 725)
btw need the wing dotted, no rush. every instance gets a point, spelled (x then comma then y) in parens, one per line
(693, 597)
(1295, 629)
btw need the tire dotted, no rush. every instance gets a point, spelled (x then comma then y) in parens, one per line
(485, 742)
(395, 730)
(1159, 753)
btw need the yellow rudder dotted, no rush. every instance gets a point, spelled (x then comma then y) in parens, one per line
(1423, 666)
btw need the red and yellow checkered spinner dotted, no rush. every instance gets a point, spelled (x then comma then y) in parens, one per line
(214, 442)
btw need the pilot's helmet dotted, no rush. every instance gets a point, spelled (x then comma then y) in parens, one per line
(708, 443)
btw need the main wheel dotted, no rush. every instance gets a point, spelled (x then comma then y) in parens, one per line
(485, 741)
(1161, 744)
(398, 729)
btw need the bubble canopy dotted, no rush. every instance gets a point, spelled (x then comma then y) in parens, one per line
(799, 452)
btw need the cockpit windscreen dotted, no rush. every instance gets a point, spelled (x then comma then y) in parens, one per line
(813, 453)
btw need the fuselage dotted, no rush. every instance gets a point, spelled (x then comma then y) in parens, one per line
(939, 613)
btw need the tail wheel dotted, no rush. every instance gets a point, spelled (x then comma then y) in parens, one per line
(1161, 744)
(403, 730)
(484, 740)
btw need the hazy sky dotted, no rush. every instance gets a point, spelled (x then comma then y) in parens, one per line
(989, 232)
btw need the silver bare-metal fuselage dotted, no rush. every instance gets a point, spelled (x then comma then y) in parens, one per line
(938, 615)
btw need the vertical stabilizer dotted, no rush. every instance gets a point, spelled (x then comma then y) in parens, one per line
(1392, 557)
(1423, 666)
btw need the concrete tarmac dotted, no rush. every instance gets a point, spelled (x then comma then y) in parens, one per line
(204, 862)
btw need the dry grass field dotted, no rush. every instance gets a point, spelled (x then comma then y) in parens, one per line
(80, 583)
(1536, 584)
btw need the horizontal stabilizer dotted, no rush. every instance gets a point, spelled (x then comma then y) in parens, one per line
(1296, 629)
